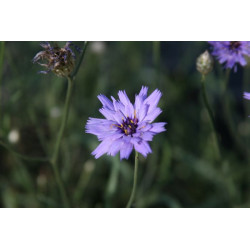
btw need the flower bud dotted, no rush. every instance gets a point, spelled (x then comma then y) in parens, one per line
(204, 63)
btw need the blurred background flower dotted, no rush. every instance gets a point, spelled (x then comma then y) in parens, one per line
(231, 53)
(13, 136)
(55, 112)
(246, 95)
(98, 47)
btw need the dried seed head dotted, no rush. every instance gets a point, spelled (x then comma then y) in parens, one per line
(60, 61)
(204, 63)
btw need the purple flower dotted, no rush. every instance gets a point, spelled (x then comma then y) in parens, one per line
(246, 95)
(126, 126)
(231, 53)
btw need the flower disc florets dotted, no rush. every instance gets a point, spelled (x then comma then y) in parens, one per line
(126, 126)
(60, 61)
(231, 53)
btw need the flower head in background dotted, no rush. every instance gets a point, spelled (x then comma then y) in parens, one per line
(60, 61)
(98, 47)
(14, 136)
(246, 95)
(204, 63)
(126, 126)
(231, 53)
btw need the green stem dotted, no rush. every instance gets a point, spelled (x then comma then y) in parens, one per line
(60, 185)
(2, 46)
(113, 179)
(226, 81)
(156, 60)
(240, 147)
(226, 97)
(64, 120)
(24, 157)
(131, 199)
(80, 60)
(54, 159)
(210, 113)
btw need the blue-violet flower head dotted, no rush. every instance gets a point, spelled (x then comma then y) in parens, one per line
(246, 95)
(126, 126)
(231, 53)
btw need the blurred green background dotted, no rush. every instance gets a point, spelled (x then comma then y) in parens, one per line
(185, 168)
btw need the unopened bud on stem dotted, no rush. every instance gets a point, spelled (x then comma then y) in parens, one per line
(204, 63)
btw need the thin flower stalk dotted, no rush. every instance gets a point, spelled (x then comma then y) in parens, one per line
(60, 61)
(80, 60)
(54, 159)
(228, 117)
(2, 48)
(157, 60)
(132, 196)
(210, 113)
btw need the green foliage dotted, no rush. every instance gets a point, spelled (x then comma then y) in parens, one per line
(184, 169)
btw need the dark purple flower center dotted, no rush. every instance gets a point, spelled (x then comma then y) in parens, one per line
(234, 45)
(128, 127)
